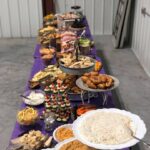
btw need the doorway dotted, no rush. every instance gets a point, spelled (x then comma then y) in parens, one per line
(48, 7)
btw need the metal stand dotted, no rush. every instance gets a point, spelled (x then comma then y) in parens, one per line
(105, 98)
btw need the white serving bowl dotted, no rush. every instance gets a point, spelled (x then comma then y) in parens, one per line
(65, 126)
(34, 102)
(137, 122)
(59, 145)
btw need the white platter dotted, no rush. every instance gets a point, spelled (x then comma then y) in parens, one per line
(78, 71)
(65, 126)
(83, 86)
(138, 123)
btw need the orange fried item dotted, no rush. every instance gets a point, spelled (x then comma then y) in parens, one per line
(94, 79)
(84, 78)
(90, 84)
(87, 74)
(47, 57)
(103, 78)
(101, 86)
(98, 66)
(85, 108)
(94, 73)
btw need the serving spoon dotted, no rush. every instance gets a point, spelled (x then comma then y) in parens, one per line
(140, 140)
(25, 97)
(144, 142)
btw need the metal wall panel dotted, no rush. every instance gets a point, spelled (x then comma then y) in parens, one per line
(60, 6)
(141, 35)
(0, 21)
(99, 13)
(5, 18)
(14, 18)
(34, 17)
(40, 13)
(22, 18)
(98, 21)
(80, 3)
(90, 14)
(69, 3)
(108, 16)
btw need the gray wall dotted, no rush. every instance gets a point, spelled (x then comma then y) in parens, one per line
(141, 35)
(100, 13)
(22, 18)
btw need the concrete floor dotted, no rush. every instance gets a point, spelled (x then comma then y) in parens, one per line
(16, 61)
(134, 86)
(15, 64)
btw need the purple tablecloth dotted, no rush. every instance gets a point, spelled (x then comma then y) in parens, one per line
(38, 65)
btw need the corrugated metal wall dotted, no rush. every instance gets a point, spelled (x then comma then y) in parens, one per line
(100, 13)
(141, 35)
(22, 18)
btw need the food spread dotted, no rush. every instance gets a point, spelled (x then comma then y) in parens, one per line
(75, 145)
(85, 108)
(61, 46)
(30, 141)
(64, 133)
(47, 53)
(34, 98)
(68, 16)
(50, 70)
(70, 61)
(45, 34)
(27, 116)
(107, 128)
(68, 39)
(94, 80)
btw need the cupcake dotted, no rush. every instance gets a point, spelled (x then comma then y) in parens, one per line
(52, 85)
(62, 105)
(68, 103)
(54, 106)
(62, 89)
(55, 91)
(47, 89)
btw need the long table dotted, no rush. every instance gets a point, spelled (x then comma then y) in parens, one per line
(39, 65)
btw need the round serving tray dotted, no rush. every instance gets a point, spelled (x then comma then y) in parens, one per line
(83, 86)
(77, 71)
(137, 122)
